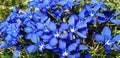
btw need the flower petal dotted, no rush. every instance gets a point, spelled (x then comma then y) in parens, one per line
(3, 45)
(116, 21)
(83, 47)
(62, 44)
(81, 25)
(106, 32)
(62, 3)
(63, 26)
(97, 6)
(116, 38)
(16, 53)
(52, 26)
(31, 48)
(63, 35)
(34, 38)
(71, 20)
(87, 55)
(53, 41)
(39, 26)
(116, 47)
(81, 35)
(93, 1)
(72, 47)
(32, 3)
(28, 36)
(47, 46)
(98, 38)
(108, 50)
(28, 30)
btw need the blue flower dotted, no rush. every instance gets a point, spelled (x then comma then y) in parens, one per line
(107, 39)
(66, 47)
(90, 12)
(75, 26)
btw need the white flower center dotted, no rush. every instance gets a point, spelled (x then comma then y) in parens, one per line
(108, 42)
(56, 35)
(65, 53)
(41, 47)
(72, 29)
(91, 14)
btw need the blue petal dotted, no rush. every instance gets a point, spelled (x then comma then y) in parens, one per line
(81, 25)
(43, 18)
(81, 35)
(106, 32)
(99, 38)
(81, 14)
(62, 3)
(71, 20)
(109, 13)
(40, 26)
(28, 30)
(83, 47)
(52, 26)
(70, 36)
(72, 47)
(62, 44)
(34, 38)
(116, 21)
(89, 19)
(53, 41)
(3, 45)
(77, 40)
(108, 50)
(8, 37)
(64, 26)
(46, 37)
(71, 56)
(77, 55)
(39, 33)
(47, 22)
(32, 3)
(87, 55)
(93, 1)
(16, 53)
(48, 46)
(28, 36)
(116, 47)
(31, 48)
(116, 38)
(97, 6)
(101, 19)
(63, 35)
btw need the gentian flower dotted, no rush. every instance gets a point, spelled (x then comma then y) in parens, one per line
(75, 25)
(107, 39)
(65, 48)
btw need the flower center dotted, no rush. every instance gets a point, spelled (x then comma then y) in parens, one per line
(72, 29)
(56, 35)
(41, 47)
(108, 42)
(91, 14)
(65, 53)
